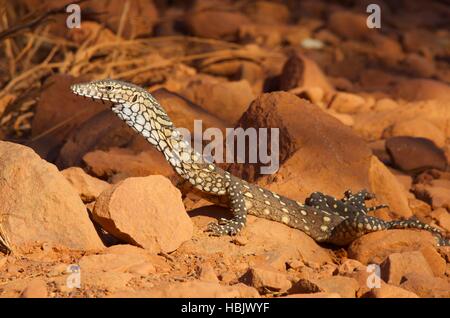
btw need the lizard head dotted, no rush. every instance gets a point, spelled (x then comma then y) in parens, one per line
(127, 99)
(114, 91)
(133, 104)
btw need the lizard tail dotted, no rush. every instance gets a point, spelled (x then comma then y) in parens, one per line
(416, 224)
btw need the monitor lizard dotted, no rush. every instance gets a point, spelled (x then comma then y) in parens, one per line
(322, 217)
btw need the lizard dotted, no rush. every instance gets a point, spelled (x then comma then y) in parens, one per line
(322, 217)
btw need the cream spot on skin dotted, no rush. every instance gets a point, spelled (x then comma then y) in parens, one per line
(303, 212)
(285, 219)
(324, 228)
(248, 194)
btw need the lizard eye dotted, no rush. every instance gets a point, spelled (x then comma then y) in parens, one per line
(108, 88)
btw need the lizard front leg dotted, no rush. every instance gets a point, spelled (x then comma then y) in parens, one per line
(233, 226)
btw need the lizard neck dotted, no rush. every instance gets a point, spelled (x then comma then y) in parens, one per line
(152, 122)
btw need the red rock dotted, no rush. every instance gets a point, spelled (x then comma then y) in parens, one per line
(442, 217)
(263, 279)
(206, 273)
(146, 212)
(378, 148)
(110, 262)
(266, 12)
(343, 118)
(348, 103)
(89, 188)
(141, 16)
(109, 281)
(346, 287)
(37, 288)
(421, 89)
(50, 113)
(419, 66)
(349, 266)
(127, 163)
(405, 179)
(389, 291)
(437, 196)
(38, 204)
(425, 286)
(143, 269)
(434, 260)
(371, 125)
(183, 112)
(417, 127)
(424, 41)
(374, 247)
(420, 209)
(215, 24)
(273, 244)
(415, 154)
(159, 262)
(300, 71)
(192, 289)
(302, 144)
(228, 101)
(385, 48)
(396, 265)
(349, 25)
(388, 189)
(102, 131)
(385, 104)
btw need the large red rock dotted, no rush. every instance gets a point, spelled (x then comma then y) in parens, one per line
(38, 204)
(426, 286)
(396, 265)
(145, 211)
(316, 152)
(375, 247)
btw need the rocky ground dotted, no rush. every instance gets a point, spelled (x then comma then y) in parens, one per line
(83, 198)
